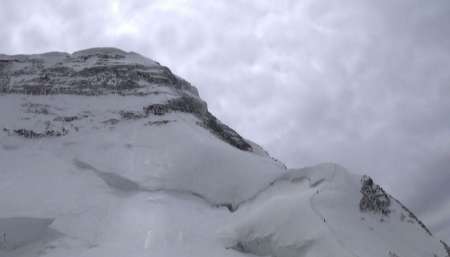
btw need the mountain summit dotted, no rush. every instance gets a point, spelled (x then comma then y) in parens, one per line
(108, 153)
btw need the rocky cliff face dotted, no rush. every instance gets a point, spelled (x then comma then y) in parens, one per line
(89, 72)
(106, 71)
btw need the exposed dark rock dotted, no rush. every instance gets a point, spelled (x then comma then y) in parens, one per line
(156, 109)
(188, 104)
(67, 118)
(28, 133)
(199, 109)
(181, 104)
(226, 133)
(374, 198)
(412, 216)
(158, 122)
(128, 115)
(104, 77)
(37, 108)
(102, 71)
(111, 121)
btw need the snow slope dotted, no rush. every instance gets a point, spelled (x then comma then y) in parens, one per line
(107, 153)
(314, 212)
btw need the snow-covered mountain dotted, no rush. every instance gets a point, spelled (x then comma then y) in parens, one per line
(108, 153)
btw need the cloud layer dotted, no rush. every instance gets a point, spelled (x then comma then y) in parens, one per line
(362, 83)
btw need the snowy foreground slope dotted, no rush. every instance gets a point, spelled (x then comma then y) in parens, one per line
(107, 153)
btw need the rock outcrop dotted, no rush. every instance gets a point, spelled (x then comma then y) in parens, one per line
(105, 71)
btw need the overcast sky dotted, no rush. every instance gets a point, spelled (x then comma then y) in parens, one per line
(362, 83)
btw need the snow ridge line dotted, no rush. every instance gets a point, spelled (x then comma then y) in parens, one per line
(322, 217)
(290, 176)
(126, 185)
(267, 187)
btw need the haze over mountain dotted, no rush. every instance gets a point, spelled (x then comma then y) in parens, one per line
(108, 153)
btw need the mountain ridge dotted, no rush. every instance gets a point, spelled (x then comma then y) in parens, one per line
(107, 153)
(91, 71)
(102, 71)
